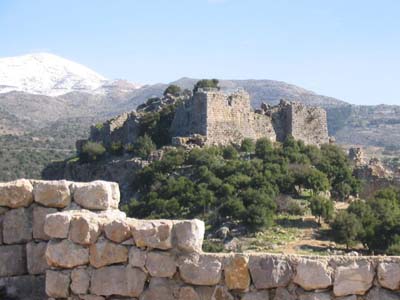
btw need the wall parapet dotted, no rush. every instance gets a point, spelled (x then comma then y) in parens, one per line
(90, 250)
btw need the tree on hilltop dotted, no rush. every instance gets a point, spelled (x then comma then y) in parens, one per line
(206, 84)
(173, 90)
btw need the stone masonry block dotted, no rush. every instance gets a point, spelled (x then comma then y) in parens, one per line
(12, 260)
(52, 193)
(17, 226)
(96, 195)
(36, 257)
(39, 217)
(16, 194)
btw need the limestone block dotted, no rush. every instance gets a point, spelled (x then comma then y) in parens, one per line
(237, 276)
(23, 287)
(96, 195)
(66, 254)
(159, 288)
(260, 295)
(36, 257)
(17, 226)
(137, 257)
(80, 281)
(56, 225)
(117, 231)
(160, 264)
(57, 284)
(92, 297)
(105, 253)
(377, 293)
(200, 269)
(153, 234)
(315, 296)
(313, 274)
(269, 272)
(117, 280)
(352, 297)
(354, 279)
(389, 275)
(189, 235)
(221, 293)
(12, 260)
(188, 293)
(84, 229)
(39, 217)
(204, 292)
(52, 193)
(16, 194)
(283, 294)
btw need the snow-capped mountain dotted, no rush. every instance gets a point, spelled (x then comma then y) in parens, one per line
(50, 75)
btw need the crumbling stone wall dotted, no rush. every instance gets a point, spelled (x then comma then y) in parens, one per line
(96, 253)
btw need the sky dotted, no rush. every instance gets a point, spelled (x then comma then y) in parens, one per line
(348, 49)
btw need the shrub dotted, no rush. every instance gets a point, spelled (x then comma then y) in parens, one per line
(230, 152)
(321, 207)
(92, 151)
(206, 84)
(144, 146)
(173, 90)
(116, 148)
(247, 146)
(346, 228)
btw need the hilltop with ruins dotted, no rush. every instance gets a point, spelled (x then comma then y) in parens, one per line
(211, 117)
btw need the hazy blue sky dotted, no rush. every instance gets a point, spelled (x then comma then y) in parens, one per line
(349, 49)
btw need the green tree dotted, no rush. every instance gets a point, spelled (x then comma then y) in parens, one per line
(173, 90)
(92, 151)
(321, 207)
(264, 148)
(230, 152)
(346, 228)
(206, 84)
(144, 146)
(247, 146)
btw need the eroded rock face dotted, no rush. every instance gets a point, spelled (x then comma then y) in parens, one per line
(153, 234)
(105, 253)
(237, 276)
(84, 229)
(389, 275)
(189, 235)
(66, 254)
(160, 264)
(200, 269)
(117, 280)
(36, 257)
(52, 193)
(313, 274)
(96, 195)
(12, 260)
(57, 283)
(39, 217)
(354, 279)
(16, 194)
(17, 226)
(57, 225)
(270, 272)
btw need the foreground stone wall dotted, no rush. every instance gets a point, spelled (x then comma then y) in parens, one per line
(94, 252)
(24, 205)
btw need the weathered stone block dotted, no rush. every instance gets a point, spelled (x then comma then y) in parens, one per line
(12, 260)
(66, 254)
(57, 225)
(389, 275)
(117, 231)
(377, 293)
(96, 195)
(93, 297)
(160, 264)
(105, 253)
(315, 296)
(84, 229)
(52, 193)
(188, 293)
(57, 284)
(80, 281)
(153, 234)
(270, 272)
(16, 194)
(159, 288)
(23, 287)
(1, 229)
(313, 274)
(261, 295)
(36, 257)
(283, 294)
(237, 276)
(39, 217)
(221, 293)
(137, 257)
(189, 235)
(117, 280)
(17, 226)
(354, 279)
(200, 269)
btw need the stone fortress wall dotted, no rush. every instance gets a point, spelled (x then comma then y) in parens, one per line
(89, 250)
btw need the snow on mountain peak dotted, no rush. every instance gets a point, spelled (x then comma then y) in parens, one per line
(47, 74)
